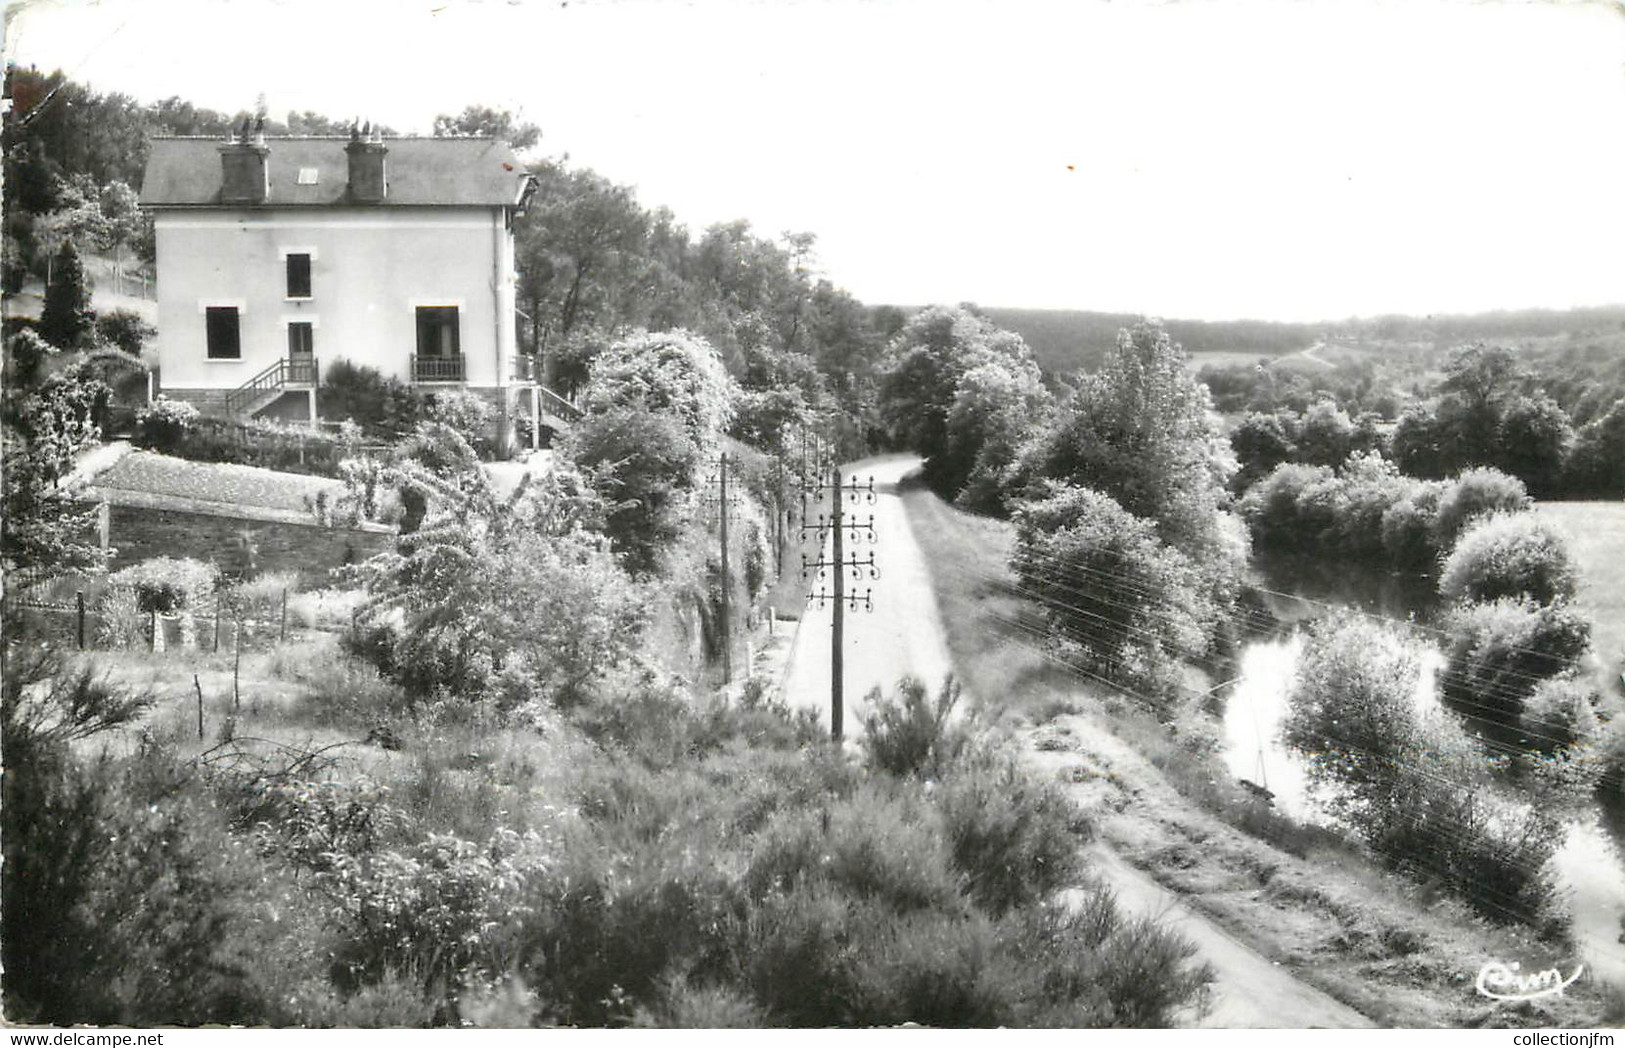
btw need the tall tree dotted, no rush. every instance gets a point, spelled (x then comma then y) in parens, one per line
(67, 316)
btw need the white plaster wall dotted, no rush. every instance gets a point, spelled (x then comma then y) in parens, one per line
(372, 268)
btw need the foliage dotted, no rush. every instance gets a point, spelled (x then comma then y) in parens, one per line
(1559, 715)
(1012, 837)
(908, 734)
(470, 415)
(44, 434)
(26, 352)
(1127, 606)
(1475, 493)
(1509, 555)
(643, 465)
(673, 374)
(126, 329)
(67, 319)
(1596, 464)
(1408, 780)
(384, 406)
(1500, 651)
(952, 385)
(165, 585)
(466, 581)
(1142, 431)
(163, 425)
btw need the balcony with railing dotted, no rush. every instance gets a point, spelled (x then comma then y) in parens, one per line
(438, 369)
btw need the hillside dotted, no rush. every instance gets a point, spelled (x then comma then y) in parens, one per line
(1066, 340)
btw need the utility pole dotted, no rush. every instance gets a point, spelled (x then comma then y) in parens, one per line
(727, 637)
(725, 610)
(839, 523)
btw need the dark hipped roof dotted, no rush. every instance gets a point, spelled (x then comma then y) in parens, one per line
(186, 172)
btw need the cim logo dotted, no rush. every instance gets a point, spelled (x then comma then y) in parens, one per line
(1501, 982)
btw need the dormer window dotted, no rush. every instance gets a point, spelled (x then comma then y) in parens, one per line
(298, 276)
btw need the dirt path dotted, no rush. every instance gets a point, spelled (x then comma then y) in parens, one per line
(904, 635)
(1247, 990)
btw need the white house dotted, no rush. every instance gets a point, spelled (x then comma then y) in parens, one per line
(279, 255)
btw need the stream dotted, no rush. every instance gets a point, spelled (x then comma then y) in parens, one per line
(1589, 866)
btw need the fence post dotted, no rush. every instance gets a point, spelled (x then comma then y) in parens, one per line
(217, 598)
(282, 634)
(152, 620)
(199, 688)
(79, 600)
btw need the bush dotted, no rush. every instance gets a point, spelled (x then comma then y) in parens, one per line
(471, 415)
(1509, 555)
(167, 585)
(1013, 838)
(1130, 608)
(1559, 715)
(1407, 528)
(381, 406)
(907, 734)
(1500, 652)
(164, 424)
(1409, 781)
(26, 352)
(643, 465)
(126, 329)
(1475, 493)
(1271, 507)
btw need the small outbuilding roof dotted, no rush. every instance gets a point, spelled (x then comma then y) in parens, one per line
(314, 172)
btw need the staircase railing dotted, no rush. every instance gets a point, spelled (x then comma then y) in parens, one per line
(276, 378)
(558, 406)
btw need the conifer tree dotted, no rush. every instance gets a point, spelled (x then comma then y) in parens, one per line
(67, 316)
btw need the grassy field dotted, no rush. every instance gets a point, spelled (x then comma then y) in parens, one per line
(1399, 952)
(1596, 534)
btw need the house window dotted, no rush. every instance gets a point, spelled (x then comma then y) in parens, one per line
(301, 339)
(437, 331)
(298, 276)
(225, 338)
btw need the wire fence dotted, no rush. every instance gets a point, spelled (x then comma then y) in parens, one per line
(87, 614)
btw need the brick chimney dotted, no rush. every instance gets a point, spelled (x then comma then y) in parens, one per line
(245, 176)
(368, 184)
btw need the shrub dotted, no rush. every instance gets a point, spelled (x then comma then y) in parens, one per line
(26, 353)
(1271, 506)
(471, 415)
(875, 845)
(164, 424)
(165, 585)
(120, 622)
(1501, 650)
(673, 375)
(1475, 493)
(1407, 527)
(1559, 715)
(1409, 781)
(381, 406)
(907, 734)
(1509, 555)
(643, 465)
(126, 329)
(1013, 837)
(1130, 608)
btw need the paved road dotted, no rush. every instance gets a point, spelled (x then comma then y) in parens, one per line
(902, 635)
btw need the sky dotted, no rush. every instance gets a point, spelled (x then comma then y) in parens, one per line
(1279, 160)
